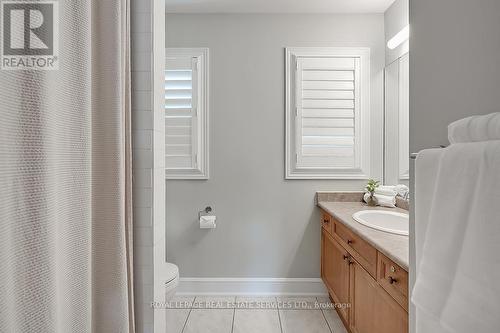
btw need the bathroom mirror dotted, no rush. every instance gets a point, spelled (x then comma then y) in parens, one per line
(396, 145)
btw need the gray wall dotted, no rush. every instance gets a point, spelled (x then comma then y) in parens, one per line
(454, 65)
(267, 226)
(395, 19)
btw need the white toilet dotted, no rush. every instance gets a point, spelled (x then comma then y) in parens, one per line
(171, 280)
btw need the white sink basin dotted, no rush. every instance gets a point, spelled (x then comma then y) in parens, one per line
(392, 222)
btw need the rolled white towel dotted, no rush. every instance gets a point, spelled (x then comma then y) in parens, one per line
(367, 197)
(385, 200)
(386, 187)
(401, 190)
(386, 190)
(475, 129)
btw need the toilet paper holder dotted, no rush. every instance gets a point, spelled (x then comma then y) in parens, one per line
(204, 212)
(206, 219)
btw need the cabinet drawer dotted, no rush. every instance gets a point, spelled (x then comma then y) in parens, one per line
(360, 249)
(326, 221)
(393, 279)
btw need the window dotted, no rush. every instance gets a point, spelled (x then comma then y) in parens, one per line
(186, 113)
(327, 113)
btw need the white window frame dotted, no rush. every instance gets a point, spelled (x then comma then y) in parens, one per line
(201, 171)
(362, 169)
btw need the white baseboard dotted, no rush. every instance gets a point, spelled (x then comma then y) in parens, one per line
(252, 286)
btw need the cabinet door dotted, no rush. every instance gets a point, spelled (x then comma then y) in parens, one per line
(363, 300)
(373, 309)
(391, 317)
(335, 272)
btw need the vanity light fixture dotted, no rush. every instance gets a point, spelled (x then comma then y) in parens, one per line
(399, 38)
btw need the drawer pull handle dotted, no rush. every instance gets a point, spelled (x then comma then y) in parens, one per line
(349, 241)
(392, 280)
(326, 221)
(346, 257)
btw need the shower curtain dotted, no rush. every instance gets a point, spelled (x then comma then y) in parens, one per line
(65, 179)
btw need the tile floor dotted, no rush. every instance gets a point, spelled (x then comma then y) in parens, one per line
(234, 314)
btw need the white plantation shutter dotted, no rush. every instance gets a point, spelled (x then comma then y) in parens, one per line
(180, 113)
(326, 107)
(327, 133)
(186, 114)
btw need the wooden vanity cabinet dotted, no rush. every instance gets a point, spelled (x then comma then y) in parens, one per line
(373, 310)
(390, 317)
(335, 272)
(393, 279)
(377, 303)
(326, 222)
(363, 289)
(363, 252)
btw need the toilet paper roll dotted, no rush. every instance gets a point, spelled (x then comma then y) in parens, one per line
(207, 222)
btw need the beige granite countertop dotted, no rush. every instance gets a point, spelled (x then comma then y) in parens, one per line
(395, 247)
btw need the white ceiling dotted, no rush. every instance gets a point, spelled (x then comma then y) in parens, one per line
(277, 6)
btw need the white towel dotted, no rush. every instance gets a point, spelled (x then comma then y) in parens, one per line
(401, 190)
(458, 270)
(385, 200)
(475, 129)
(386, 187)
(385, 190)
(426, 167)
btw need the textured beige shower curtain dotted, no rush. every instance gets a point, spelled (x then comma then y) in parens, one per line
(65, 181)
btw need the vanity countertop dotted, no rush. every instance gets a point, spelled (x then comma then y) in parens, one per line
(395, 247)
